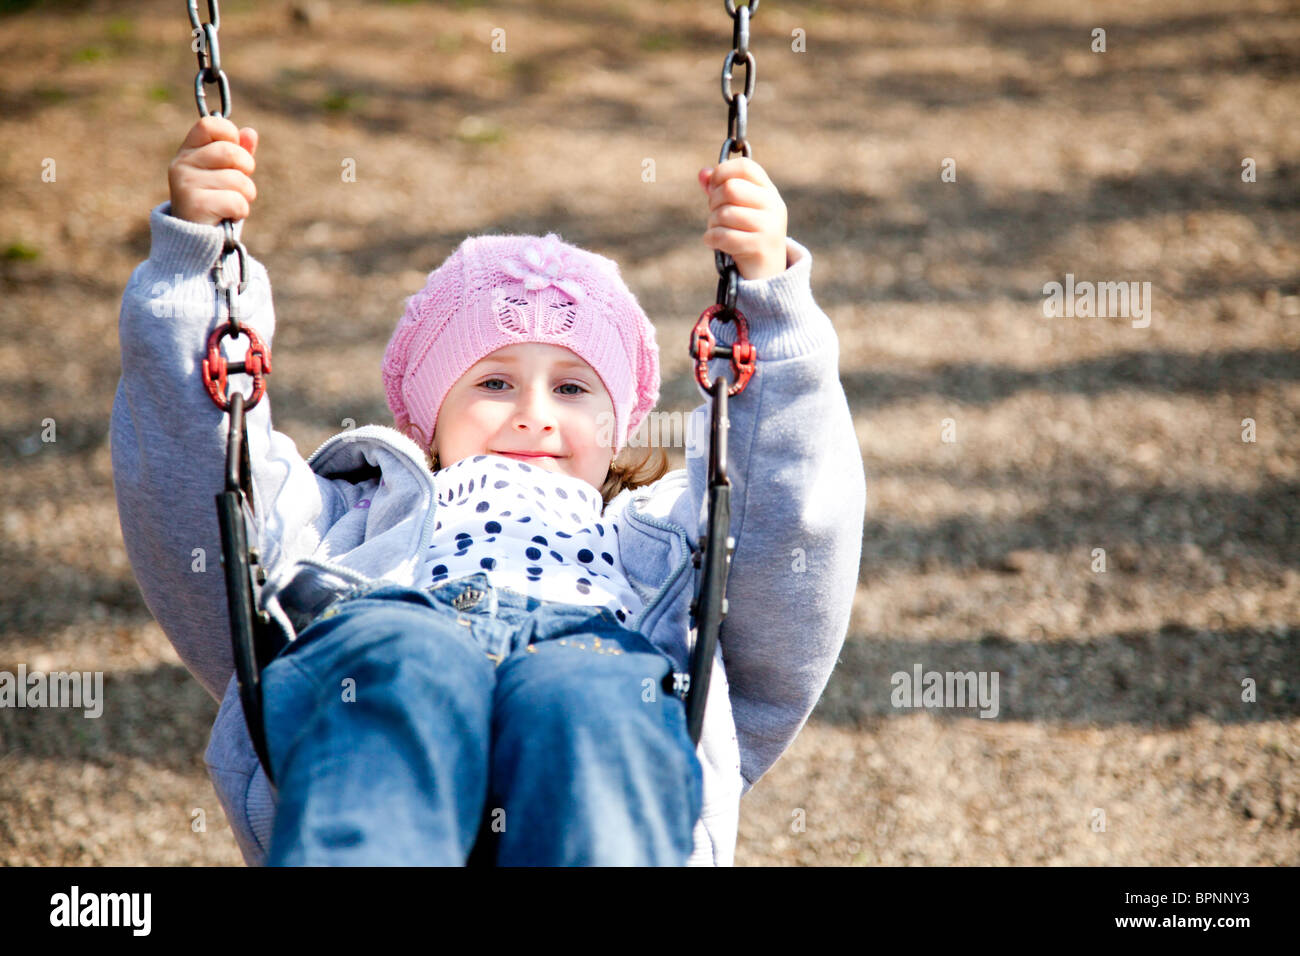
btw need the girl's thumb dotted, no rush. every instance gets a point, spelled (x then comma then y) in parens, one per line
(248, 139)
(704, 177)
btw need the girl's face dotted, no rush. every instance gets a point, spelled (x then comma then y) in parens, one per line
(530, 398)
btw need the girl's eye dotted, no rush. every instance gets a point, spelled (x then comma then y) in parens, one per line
(580, 389)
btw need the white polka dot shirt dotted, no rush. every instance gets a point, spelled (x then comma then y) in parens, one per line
(531, 530)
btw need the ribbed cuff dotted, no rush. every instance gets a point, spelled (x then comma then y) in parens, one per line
(784, 319)
(181, 243)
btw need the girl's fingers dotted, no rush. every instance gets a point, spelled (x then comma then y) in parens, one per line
(741, 218)
(209, 129)
(219, 181)
(741, 167)
(228, 205)
(223, 154)
(739, 192)
(731, 241)
(213, 205)
(231, 179)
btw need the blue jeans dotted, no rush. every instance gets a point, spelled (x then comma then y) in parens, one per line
(405, 730)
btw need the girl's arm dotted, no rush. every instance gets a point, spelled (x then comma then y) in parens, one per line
(798, 502)
(169, 445)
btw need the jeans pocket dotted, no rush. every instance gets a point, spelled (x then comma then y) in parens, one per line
(647, 646)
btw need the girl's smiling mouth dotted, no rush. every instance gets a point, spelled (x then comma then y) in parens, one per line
(525, 456)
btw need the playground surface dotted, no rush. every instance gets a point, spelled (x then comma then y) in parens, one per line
(1148, 712)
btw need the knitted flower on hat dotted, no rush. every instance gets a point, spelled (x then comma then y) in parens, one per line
(542, 263)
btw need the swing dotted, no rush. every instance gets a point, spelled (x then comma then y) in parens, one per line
(255, 640)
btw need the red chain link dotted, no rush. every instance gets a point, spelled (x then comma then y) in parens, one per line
(257, 363)
(743, 355)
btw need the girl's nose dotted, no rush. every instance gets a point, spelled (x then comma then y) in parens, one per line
(523, 423)
(534, 411)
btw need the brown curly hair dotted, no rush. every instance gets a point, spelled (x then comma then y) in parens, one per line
(632, 468)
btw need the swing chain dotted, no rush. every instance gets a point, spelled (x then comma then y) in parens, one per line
(253, 638)
(716, 547)
(209, 54)
(257, 360)
(704, 345)
(737, 140)
(737, 120)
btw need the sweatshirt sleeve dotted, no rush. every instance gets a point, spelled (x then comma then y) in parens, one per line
(168, 443)
(798, 502)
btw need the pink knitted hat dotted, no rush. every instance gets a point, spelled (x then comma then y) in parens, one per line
(495, 291)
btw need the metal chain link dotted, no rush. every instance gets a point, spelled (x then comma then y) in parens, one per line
(252, 641)
(209, 53)
(703, 345)
(230, 273)
(737, 140)
(713, 557)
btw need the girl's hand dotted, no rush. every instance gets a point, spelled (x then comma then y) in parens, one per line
(211, 176)
(747, 218)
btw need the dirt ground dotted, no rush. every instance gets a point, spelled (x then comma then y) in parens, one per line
(1122, 735)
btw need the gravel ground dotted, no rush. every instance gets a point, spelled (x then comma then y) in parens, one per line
(1121, 737)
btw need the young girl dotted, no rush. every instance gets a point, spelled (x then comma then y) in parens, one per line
(487, 607)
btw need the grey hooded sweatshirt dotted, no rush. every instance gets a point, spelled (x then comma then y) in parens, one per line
(798, 504)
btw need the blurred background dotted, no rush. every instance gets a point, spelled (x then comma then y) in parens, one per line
(942, 161)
